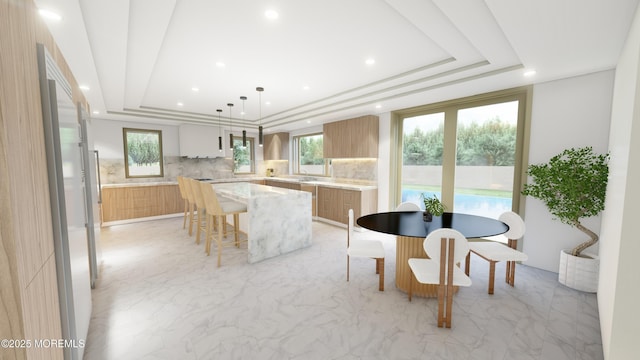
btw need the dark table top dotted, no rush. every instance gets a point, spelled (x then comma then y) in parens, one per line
(410, 223)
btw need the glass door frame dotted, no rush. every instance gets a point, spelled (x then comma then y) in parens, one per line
(450, 108)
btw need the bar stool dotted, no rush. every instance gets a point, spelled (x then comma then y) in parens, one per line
(183, 194)
(218, 210)
(191, 200)
(201, 213)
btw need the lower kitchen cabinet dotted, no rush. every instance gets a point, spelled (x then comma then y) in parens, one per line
(334, 203)
(131, 202)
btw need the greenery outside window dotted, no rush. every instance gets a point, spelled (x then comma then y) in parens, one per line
(142, 153)
(243, 157)
(308, 155)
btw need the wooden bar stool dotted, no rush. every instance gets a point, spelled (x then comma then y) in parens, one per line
(218, 210)
(183, 194)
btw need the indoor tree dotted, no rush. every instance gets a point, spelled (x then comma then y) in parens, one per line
(573, 185)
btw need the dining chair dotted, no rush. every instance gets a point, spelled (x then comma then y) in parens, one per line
(408, 206)
(500, 248)
(445, 248)
(365, 248)
(183, 194)
(217, 211)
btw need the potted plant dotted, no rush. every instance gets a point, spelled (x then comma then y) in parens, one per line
(573, 185)
(432, 206)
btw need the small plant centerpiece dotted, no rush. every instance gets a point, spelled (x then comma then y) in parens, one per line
(573, 185)
(432, 206)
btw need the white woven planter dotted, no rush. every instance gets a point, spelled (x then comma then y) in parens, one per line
(580, 273)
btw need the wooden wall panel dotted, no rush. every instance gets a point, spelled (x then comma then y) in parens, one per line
(28, 287)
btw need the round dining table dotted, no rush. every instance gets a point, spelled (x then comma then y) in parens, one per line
(411, 230)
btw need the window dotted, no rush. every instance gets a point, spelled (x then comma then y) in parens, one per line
(243, 156)
(142, 153)
(308, 154)
(467, 152)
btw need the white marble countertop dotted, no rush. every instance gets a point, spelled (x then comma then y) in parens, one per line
(245, 191)
(247, 179)
(333, 184)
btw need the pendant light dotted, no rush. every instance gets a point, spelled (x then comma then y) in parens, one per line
(230, 105)
(219, 131)
(260, 90)
(244, 132)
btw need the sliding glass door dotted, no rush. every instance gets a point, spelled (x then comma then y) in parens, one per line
(485, 158)
(466, 152)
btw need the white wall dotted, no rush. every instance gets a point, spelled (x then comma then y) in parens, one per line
(384, 160)
(619, 286)
(573, 112)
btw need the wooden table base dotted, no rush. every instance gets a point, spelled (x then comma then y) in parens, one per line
(406, 248)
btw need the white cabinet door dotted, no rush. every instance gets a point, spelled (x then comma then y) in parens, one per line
(199, 141)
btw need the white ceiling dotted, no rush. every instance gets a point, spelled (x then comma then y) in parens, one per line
(140, 58)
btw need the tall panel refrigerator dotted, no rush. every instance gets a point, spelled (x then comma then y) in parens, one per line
(72, 203)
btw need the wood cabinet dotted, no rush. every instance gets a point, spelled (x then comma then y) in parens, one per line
(334, 203)
(131, 202)
(283, 184)
(199, 141)
(276, 146)
(353, 138)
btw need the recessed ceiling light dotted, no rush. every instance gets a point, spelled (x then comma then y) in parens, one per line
(306, 87)
(180, 104)
(84, 87)
(96, 112)
(49, 15)
(308, 121)
(370, 61)
(267, 102)
(529, 73)
(195, 89)
(378, 106)
(220, 64)
(271, 14)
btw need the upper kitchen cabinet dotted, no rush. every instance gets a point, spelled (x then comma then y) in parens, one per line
(276, 146)
(352, 138)
(199, 141)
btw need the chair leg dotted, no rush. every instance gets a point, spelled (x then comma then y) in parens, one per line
(219, 240)
(347, 267)
(236, 229)
(191, 210)
(492, 275)
(210, 235)
(186, 210)
(410, 284)
(511, 272)
(380, 266)
(441, 304)
(198, 227)
(467, 263)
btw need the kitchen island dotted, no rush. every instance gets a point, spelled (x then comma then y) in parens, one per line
(277, 221)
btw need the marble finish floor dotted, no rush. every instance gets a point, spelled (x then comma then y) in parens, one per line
(160, 297)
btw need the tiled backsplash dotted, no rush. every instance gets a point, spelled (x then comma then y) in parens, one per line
(355, 169)
(112, 170)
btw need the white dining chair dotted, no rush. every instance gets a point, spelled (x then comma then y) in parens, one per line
(500, 248)
(408, 206)
(365, 248)
(445, 248)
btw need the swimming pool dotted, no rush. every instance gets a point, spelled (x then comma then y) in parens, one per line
(489, 206)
